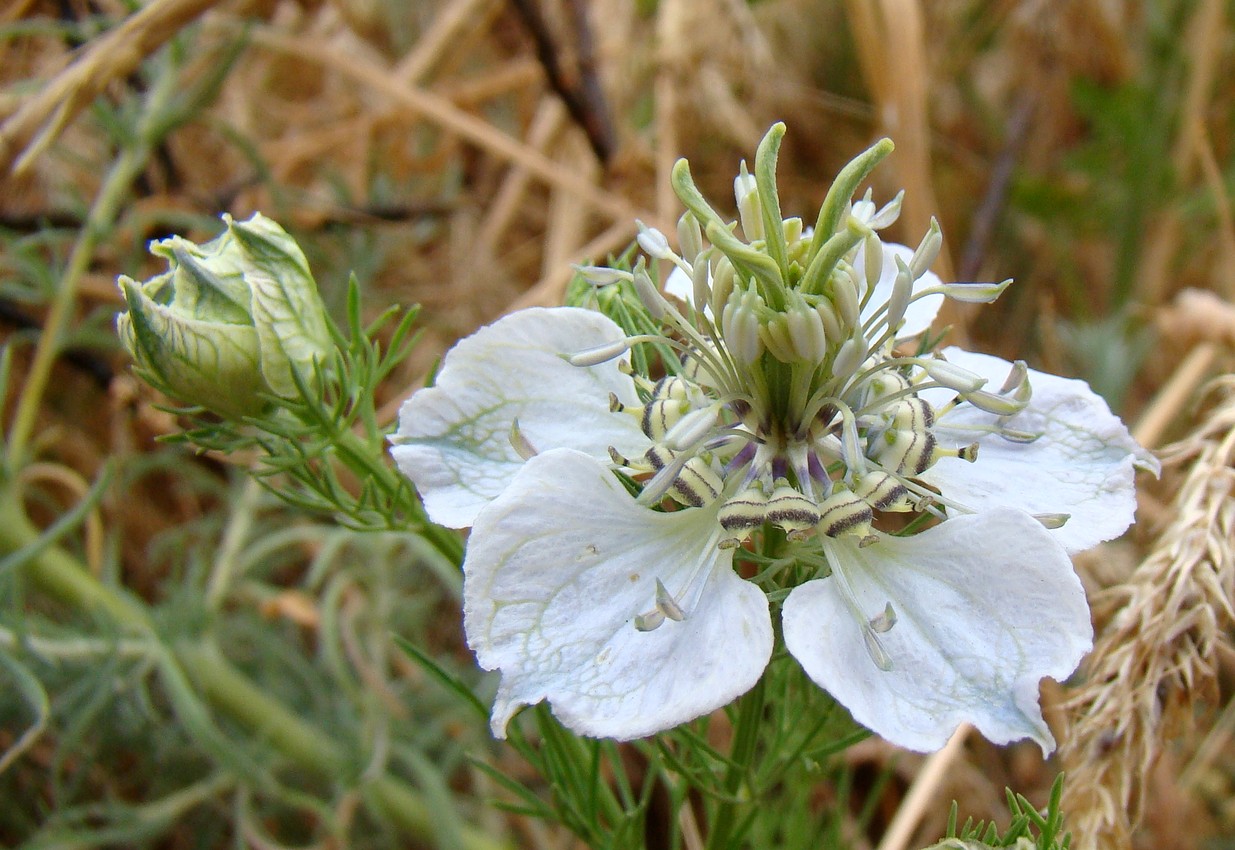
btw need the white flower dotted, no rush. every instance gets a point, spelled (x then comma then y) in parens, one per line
(606, 508)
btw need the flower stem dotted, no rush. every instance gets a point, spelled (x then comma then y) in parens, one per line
(106, 205)
(366, 461)
(745, 741)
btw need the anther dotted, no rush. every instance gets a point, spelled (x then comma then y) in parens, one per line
(1052, 521)
(667, 605)
(653, 242)
(739, 325)
(746, 193)
(792, 511)
(520, 443)
(902, 290)
(872, 258)
(927, 251)
(883, 492)
(600, 276)
(845, 513)
(690, 239)
(599, 354)
(650, 621)
(691, 428)
(1000, 405)
(875, 649)
(1012, 435)
(970, 293)
(745, 512)
(850, 356)
(883, 622)
(906, 451)
(951, 376)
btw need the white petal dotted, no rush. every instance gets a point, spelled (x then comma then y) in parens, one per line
(985, 606)
(922, 311)
(454, 438)
(1083, 464)
(557, 569)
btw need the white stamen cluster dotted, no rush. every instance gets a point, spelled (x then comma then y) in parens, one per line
(791, 406)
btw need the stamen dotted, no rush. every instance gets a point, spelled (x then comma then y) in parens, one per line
(692, 428)
(690, 239)
(874, 647)
(1052, 521)
(876, 650)
(520, 443)
(650, 621)
(666, 604)
(599, 354)
(883, 622)
(600, 276)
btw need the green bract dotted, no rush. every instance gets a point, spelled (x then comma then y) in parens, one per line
(232, 322)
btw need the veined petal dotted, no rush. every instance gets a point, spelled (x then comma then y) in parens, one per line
(557, 569)
(454, 438)
(922, 311)
(1083, 464)
(984, 606)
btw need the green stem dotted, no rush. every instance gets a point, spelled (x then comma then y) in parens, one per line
(228, 690)
(106, 205)
(359, 456)
(745, 741)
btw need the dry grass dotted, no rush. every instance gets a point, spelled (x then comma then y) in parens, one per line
(1154, 670)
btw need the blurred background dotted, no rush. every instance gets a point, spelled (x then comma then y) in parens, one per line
(462, 154)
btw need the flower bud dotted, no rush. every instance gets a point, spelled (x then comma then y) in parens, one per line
(233, 320)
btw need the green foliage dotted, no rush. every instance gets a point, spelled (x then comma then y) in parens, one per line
(1029, 829)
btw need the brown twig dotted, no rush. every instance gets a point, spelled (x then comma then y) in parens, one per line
(584, 99)
(988, 212)
(40, 120)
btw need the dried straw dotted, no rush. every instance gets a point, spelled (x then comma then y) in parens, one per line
(1153, 666)
(26, 134)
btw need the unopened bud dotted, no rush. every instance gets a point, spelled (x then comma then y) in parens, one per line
(233, 321)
